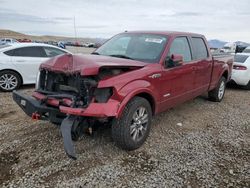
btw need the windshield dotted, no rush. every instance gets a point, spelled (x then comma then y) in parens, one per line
(143, 47)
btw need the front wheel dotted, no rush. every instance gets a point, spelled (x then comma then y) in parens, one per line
(131, 130)
(218, 93)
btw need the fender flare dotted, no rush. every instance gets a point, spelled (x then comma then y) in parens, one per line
(133, 89)
(225, 70)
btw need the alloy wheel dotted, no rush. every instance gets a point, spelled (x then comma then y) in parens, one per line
(139, 124)
(8, 82)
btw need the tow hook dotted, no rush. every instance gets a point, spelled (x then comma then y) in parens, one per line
(66, 127)
(35, 116)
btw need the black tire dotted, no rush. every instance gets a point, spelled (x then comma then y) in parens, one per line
(122, 127)
(216, 94)
(247, 87)
(15, 78)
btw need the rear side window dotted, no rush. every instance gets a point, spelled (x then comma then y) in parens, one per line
(29, 52)
(180, 46)
(51, 52)
(240, 58)
(9, 52)
(200, 49)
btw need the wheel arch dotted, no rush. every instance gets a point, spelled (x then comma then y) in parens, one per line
(149, 98)
(225, 74)
(140, 93)
(15, 72)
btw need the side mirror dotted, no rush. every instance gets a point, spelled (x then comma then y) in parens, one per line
(177, 59)
(174, 60)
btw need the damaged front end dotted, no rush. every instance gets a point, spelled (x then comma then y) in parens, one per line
(73, 101)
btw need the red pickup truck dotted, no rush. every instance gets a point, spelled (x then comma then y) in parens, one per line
(126, 81)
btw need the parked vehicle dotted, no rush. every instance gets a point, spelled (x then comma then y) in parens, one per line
(126, 81)
(229, 48)
(241, 70)
(61, 44)
(4, 41)
(19, 63)
(89, 45)
(240, 48)
(24, 40)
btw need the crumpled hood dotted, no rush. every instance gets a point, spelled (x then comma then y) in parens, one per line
(86, 64)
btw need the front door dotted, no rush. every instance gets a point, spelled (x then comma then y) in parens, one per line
(177, 81)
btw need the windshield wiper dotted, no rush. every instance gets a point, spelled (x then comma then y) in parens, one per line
(95, 53)
(121, 56)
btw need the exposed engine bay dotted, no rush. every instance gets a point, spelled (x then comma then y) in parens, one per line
(81, 89)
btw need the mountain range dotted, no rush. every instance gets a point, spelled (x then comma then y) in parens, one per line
(215, 43)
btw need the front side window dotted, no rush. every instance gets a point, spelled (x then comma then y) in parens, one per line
(29, 52)
(200, 49)
(51, 52)
(181, 46)
(143, 47)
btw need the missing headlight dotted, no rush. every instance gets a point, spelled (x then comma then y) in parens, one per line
(102, 95)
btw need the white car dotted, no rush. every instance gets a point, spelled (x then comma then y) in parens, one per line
(241, 70)
(7, 41)
(19, 63)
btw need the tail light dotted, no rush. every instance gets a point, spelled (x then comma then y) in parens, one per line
(239, 67)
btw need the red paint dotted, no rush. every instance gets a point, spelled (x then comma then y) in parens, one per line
(166, 87)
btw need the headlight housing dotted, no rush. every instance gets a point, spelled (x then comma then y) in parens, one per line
(102, 95)
(37, 80)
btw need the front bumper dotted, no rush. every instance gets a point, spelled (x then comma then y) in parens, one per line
(55, 112)
(32, 106)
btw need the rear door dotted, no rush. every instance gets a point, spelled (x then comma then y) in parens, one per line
(178, 82)
(203, 64)
(27, 61)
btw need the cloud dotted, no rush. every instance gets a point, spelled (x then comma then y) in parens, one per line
(8, 16)
(97, 18)
(185, 14)
(63, 18)
(92, 26)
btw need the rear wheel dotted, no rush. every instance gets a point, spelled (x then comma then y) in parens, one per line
(218, 93)
(132, 129)
(9, 80)
(247, 86)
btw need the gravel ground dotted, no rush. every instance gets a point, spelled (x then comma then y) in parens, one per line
(197, 144)
(80, 50)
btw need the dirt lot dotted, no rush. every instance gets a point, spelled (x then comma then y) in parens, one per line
(210, 149)
(80, 50)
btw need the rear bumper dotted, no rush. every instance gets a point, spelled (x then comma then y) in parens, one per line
(241, 77)
(56, 112)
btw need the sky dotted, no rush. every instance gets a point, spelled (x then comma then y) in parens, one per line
(217, 19)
